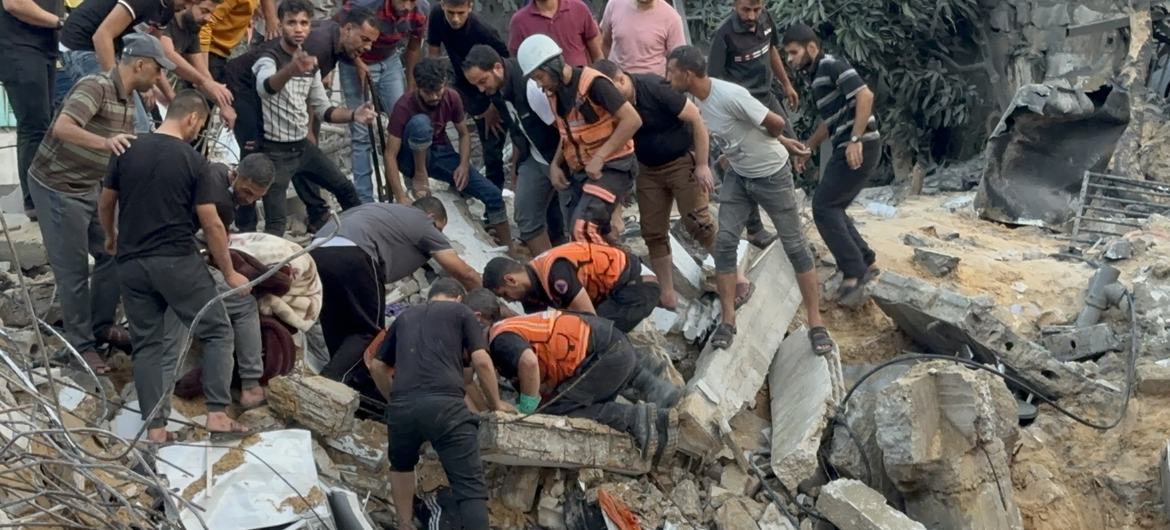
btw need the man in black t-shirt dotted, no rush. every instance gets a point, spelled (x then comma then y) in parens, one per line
(153, 188)
(180, 41)
(419, 369)
(452, 25)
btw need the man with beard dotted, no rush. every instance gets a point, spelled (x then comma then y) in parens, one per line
(845, 105)
(597, 127)
(181, 42)
(453, 25)
(534, 144)
(288, 80)
(419, 121)
(760, 175)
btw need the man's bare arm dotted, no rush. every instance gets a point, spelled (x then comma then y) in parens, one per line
(457, 268)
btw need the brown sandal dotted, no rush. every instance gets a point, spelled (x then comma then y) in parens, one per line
(117, 337)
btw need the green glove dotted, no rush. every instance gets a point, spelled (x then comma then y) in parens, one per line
(527, 404)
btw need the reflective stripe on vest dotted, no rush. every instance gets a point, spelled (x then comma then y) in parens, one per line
(580, 137)
(559, 340)
(599, 267)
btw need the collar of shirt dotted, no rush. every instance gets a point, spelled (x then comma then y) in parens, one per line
(562, 7)
(815, 66)
(117, 80)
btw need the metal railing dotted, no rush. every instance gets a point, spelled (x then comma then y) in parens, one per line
(1111, 205)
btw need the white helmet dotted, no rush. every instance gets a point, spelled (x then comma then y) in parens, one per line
(535, 51)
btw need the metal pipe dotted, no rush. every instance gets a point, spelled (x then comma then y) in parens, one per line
(1097, 297)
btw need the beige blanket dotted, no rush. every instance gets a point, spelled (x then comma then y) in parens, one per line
(302, 305)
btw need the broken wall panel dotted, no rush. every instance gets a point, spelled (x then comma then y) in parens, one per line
(726, 380)
(802, 401)
(560, 442)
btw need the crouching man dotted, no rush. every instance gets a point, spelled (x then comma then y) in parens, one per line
(581, 277)
(157, 189)
(582, 362)
(420, 371)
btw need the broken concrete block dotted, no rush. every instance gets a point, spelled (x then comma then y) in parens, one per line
(945, 433)
(550, 512)
(734, 515)
(915, 240)
(1153, 380)
(944, 321)
(325, 466)
(366, 443)
(1076, 344)
(736, 481)
(686, 497)
(348, 512)
(717, 495)
(853, 505)
(802, 401)
(725, 381)
(862, 457)
(26, 237)
(320, 404)
(774, 520)
(936, 263)
(688, 275)
(519, 491)
(1118, 249)
(558, 441)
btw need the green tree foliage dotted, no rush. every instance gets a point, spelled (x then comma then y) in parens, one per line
(905, 49)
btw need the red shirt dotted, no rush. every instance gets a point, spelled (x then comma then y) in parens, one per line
(571, 27)
(450, 109)
(396, 28)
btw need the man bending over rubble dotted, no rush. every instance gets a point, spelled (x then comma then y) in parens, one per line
(582, 363)
(376, 244)
(581, 277)
(760, 173)
(159, 188)
(419, 370)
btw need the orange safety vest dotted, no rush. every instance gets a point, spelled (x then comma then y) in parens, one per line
(598, 266)
(559, 340)
(588, 126)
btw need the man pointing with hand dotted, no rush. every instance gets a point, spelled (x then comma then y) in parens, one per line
(289, 84)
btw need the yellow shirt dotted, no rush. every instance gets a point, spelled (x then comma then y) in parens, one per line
(227, 26)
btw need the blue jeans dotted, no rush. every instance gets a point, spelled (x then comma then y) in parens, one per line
(389, 83)
(442, 159)
(80, 63)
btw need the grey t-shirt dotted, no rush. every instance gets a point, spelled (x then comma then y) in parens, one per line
(735, 119)
(400, 238)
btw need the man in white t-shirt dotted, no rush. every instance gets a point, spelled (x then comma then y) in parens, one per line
(752, 141)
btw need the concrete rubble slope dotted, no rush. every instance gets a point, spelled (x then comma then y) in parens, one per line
(725, 381)
(851, 505)
(945, 321)
(946, 433)
(802, 402)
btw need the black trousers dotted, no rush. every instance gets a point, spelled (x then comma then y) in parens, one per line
(351, 308)
(453, 431)
(629, 304)
(300, 163)
(29, 78)
(833, 195)
(601, 378)
(216, 65)
(477, 103)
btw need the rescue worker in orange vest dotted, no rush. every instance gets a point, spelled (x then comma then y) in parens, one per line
(581, 277)
(597, 127)
(581, 364)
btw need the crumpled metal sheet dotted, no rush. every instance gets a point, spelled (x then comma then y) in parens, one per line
(1039, 152)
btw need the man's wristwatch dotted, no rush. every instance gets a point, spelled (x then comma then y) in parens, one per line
(60, 22)
(854, 139)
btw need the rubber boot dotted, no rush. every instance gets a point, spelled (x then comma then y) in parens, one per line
(666, 428)
(642, 427)
(648, 385)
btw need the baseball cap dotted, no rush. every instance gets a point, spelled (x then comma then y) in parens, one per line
(145, 45)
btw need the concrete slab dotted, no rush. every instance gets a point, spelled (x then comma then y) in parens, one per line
(802, 402)
(318, 403)
(1075, 344)
(944, 321)
(725, 381)
(688, 275)
(558, 442)
(852, 505)
(26, 237)
(465, 232)
(1164, 478)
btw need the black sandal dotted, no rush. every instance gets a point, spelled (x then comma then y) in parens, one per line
(853, 296)
(822, 342)
(723, 336)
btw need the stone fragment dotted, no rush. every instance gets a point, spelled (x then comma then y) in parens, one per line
(26, 237)
(725, 381)
(1074, 344)
(734, 515)
(1119, 249)
(936, 263)
(736, 481)
(550, 512)
(320, 404)
(259, 419)
(14, 312)
(686, 497)
(366, 443)
(945, 433)
(852, 505)
(519, 489)
(802, 401)
(717, 495)
(1153, 380)
(915, 240)
(774, 520)
(325, 466)
(944, 322)
(558, 441)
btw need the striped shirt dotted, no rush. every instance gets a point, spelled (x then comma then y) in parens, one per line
(835, 86)
(97, 104)
(286, 113)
